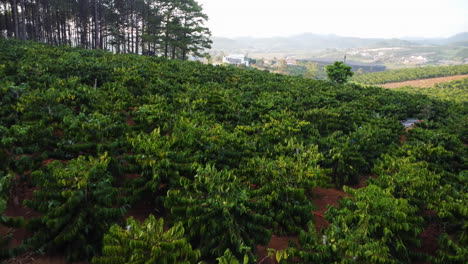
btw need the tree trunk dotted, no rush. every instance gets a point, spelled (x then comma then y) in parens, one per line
(8, 24)
(59, 30)
(137, 38)
(70, 37)
(83, 22)
(64, 29)
(166, 43)
(102, 28)
(23, 20)
(47, 22)
(133, 33)
(167, 37)
(14, 9)
(97, 40)
(37, 24)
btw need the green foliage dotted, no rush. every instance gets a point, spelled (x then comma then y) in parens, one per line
(88, 128)
(232, 154)
(313, 248)
(453, 91)
(370, 227)
(6, 221)
(373, 227)
(346, 162)
(450, 251)
(401, 75)
(146, 242)
(408, 179)
(338, 72)
(176, 26)
(283, 183)
(218, 212)
(78, 204)
(414, 172)
(228, 258)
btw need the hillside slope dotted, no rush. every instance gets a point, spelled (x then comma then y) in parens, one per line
(227, 157)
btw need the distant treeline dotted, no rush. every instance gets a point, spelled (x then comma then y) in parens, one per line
(401, 75)
(356, 66)
(170, 28)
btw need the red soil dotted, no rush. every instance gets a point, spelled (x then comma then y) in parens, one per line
(29, 258)
(276, 242)
(15, 208)
(429, 239)
(141, 211)
(404, 137)
(132, 176)
(322, 199)
(130, 121)
(58, 133)
(325, 197)
(424, 83)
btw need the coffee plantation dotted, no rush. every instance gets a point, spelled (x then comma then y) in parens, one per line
(226, 158)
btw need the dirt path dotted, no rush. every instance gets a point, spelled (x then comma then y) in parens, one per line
(424, 83)
(324, 198)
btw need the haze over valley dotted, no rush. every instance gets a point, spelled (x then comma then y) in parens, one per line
(390, 52)
(394, 34)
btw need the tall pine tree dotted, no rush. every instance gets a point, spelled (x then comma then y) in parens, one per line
(168, 28)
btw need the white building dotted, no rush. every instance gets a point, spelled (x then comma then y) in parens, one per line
(291, 61)
(236, 59)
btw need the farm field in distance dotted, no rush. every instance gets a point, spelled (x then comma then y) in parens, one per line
(424, 83)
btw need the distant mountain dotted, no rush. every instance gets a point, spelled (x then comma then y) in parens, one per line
(309, 42)
(459, 43)
(394, 43)
(224, 43)
(460, 37)
(306, 42)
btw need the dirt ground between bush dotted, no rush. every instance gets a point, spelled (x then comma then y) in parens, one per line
(322, 198)
(424, 83)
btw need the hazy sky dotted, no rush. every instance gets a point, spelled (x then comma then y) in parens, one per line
(360, 18)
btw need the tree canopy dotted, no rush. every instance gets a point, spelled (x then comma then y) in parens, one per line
(169, 28)
(339, 72)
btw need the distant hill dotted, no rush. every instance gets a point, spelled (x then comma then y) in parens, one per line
(460, 37)
(393, 53)
(460, 43)
(457, 38)
(309, 42)
(355, 65)
(306, 42)
(394, 43)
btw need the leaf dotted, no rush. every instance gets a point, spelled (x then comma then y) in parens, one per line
(246, 259)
